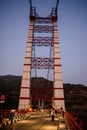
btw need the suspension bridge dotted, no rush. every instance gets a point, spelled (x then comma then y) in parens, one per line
(43, 61)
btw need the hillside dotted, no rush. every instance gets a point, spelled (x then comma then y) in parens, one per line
(76, 100)
(75, 94)
(10, 86)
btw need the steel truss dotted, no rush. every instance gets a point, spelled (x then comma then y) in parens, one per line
(42, 63)
(45, 26)
(43, 41)
(39, 93)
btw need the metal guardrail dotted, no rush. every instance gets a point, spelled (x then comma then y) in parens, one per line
(18, 115)
(73, 122)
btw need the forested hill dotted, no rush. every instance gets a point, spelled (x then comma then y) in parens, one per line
(75, 94)
(10, 86)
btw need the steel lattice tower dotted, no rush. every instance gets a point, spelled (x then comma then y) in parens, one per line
(43, 32)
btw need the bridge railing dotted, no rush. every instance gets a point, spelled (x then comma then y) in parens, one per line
(73, 122)
(5, 113)
(9, 116)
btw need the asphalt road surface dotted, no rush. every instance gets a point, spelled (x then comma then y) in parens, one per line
(37, 121)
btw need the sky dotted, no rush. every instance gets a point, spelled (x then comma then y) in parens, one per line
(72, 31)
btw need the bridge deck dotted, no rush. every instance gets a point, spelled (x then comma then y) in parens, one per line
(39, 120)
(42, 120)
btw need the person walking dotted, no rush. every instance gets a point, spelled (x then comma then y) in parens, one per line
(62, 112)
(12, 117)
(52, 115)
